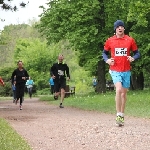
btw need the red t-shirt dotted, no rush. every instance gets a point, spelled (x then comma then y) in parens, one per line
(120, 48)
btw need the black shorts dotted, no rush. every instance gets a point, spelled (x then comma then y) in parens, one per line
(59, 85)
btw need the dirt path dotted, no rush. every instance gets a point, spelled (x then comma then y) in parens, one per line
(47, 127)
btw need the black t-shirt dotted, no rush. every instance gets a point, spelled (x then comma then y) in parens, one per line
(60, 70)
(19, 74)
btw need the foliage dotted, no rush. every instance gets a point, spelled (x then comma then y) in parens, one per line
(37, 58)
(6, 76)
(9, 139)
(139, 14)
(75, 24)
(8, 38)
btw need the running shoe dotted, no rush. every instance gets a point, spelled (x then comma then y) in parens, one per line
(61, 106)
(20, 107)
(119, 121)
(55, 97)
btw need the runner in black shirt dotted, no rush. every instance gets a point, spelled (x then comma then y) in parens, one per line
(59, 71)
(19, 76)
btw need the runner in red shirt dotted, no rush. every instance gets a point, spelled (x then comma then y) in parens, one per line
(120, 46)
(2, 82)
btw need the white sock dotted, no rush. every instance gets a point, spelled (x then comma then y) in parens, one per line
(119, 113)
(122, 114)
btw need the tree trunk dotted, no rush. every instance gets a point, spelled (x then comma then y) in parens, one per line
(140, 81)
(137, 81)
(101, 85)
(133, 84)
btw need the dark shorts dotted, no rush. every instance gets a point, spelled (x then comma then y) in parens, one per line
(59, 85)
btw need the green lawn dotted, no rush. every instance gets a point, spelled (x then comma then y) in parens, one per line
(9, 139)
(5, 98)
(138, 103)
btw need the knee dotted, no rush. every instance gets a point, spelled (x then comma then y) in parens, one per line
(118, 90)
(62, 91)
(123, 95)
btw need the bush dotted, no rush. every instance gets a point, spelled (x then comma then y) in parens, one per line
(45, 91)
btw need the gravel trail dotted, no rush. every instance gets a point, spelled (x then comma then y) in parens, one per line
(47, 127)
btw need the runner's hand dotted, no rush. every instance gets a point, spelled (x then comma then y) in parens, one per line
(68, 78)
(110, 61)
(129, 58)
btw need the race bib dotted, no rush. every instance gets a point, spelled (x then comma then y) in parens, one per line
(60, 72)
(120, 51)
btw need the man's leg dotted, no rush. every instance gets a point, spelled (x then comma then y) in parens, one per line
(21, 98)
(57, 93)
(62, 90)
(62, 97)
(123, 99)
(120, 99)
(117, 80)
(118, 96)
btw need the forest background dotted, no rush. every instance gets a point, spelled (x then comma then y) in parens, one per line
(77, 29)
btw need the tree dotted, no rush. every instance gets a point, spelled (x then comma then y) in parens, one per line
(86, 24)
(8, 38)
(37, 58)
(139, 15)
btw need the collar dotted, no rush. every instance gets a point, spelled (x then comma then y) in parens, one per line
(60, 63)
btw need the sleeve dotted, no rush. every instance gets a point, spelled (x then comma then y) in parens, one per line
(26, 75)
(105, 55)
(136, 54)
(134, 45)
(67, 71)
(107, 45)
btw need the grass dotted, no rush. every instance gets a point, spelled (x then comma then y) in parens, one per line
(5, 98)
(137, 104)
(9, 139)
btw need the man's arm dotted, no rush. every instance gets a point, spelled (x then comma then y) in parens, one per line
(67, 71)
